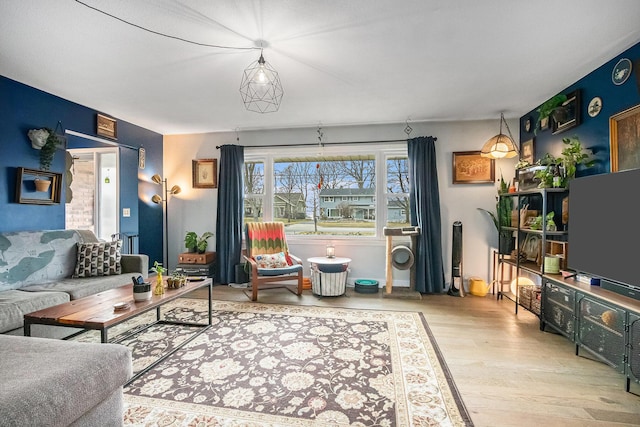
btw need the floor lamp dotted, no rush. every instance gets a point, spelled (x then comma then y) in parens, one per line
(157, 199)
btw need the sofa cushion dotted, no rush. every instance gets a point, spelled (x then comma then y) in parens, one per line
(98, 259)
(36, 256)
(53, 382)
(15, 304)
(83, 286)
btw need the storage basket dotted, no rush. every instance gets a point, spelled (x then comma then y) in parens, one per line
(328, 284)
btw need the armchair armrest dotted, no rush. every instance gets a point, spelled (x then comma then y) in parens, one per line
(254, 266)
(295, 259)
(135, 263)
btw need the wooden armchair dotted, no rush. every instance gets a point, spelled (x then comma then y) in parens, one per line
(270, 260)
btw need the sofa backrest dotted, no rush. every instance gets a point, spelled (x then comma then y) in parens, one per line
(29, 257)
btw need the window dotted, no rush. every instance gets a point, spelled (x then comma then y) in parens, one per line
(397, 191)
(322, 195)
(253, 191)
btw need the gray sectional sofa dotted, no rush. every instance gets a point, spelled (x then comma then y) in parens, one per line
(50, 382)
(36, 269)
(47, 382)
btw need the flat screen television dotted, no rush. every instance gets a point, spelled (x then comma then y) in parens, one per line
(604, 227)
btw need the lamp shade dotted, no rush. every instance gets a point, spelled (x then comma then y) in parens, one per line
(260, 88)
(175, 189)
(156, 178)
(156, 199)
(498, 147)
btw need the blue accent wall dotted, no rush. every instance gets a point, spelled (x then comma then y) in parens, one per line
(23, 108)
(593, 132)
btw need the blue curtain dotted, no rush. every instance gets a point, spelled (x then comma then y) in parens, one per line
(424, 202)
(230, 210)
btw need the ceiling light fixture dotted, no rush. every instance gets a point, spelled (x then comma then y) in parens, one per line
(500, 146)
(260, 88)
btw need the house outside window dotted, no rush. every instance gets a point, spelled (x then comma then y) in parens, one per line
(352, 193)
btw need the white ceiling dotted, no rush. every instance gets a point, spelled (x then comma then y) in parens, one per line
(340, 61)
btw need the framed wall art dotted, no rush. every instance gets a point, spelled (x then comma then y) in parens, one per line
(38, 187)
(526, 151)
(567, 115)
(205, 173)
(624, 139)
(106, 126)
(469, 167)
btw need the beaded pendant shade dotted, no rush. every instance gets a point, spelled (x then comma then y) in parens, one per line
(261, 88)
(500, 146)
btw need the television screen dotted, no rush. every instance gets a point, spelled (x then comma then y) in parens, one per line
(604, 226)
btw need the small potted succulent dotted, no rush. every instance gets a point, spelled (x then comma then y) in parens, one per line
(177, 280)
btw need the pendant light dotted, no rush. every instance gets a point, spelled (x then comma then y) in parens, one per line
(260, 88)
(500, 146)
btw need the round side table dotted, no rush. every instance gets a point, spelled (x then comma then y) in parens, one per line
(329, 275)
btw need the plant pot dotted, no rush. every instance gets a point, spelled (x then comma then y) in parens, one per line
(42, 185)
(507, 243)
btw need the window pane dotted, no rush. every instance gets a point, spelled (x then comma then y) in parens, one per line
(253, 209)
(253, 178)
(397, 192)
(329, 195)
(397, 175)
(398, 211)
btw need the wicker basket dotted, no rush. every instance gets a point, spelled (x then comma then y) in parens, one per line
(328, 284)
(529, 297)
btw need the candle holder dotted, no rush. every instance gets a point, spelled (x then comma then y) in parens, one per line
(331, 251)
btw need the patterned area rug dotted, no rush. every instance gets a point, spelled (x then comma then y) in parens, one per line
(282, 365)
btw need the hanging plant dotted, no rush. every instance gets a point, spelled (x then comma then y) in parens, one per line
(47, 141)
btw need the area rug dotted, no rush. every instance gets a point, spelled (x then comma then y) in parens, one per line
(283, 365)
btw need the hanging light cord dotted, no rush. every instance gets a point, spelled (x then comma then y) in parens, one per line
(166, 35)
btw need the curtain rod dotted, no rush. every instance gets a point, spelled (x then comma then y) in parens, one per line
(335, 143)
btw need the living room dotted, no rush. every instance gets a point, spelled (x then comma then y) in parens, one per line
(29, 103)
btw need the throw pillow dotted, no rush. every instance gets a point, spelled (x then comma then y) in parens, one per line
(277, 260)
(98, 259)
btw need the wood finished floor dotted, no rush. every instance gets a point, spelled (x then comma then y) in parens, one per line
(508, 372)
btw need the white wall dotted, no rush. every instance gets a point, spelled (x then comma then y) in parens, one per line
(195, 209)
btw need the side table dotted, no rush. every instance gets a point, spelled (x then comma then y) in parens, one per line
(329, 275)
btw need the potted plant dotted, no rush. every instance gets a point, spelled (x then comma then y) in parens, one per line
(177, 280)
(502, 218)
(47, 142)
(191, 241)
(202, 241)
(560, 170)
(547, 108)
(159, 270)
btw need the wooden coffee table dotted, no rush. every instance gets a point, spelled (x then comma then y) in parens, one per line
(97, 312)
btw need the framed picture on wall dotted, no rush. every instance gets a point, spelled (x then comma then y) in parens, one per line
(205, 173)
(567, 115)
(106, 126)
(624, 139)
(526, 151)
(469, 167)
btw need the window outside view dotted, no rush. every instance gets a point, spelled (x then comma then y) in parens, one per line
(328, 195)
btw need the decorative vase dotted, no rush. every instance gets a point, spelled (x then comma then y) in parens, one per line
(159, 288)
(42, 185)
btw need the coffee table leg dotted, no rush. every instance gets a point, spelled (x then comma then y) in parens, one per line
(210, 306)
(27, 325)
(103, 336)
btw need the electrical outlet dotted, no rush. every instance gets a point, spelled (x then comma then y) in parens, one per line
(126, 212)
